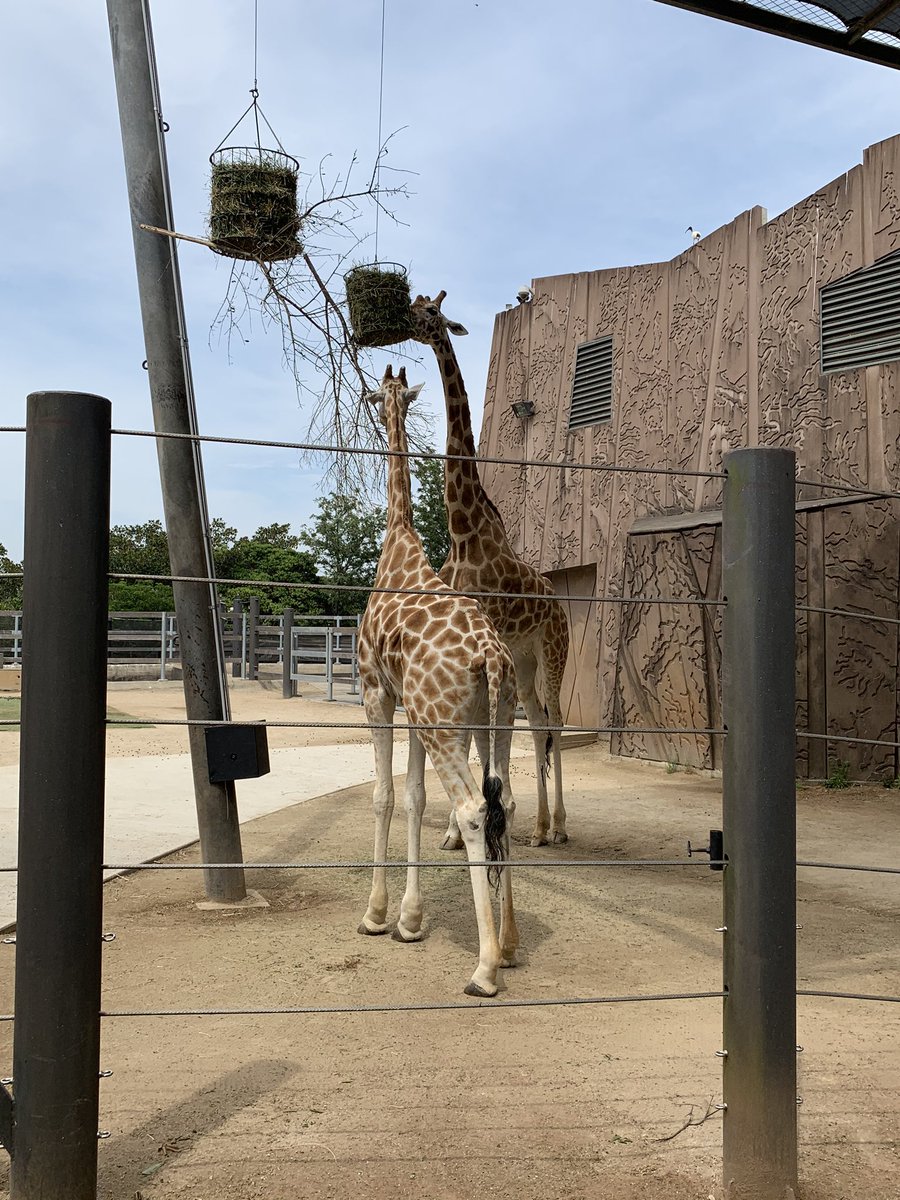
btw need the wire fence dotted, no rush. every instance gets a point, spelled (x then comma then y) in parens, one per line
(714, 860)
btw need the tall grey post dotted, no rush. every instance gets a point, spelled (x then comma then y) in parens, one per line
(759, 822)
(180, 466)
(56, 1048)
(287, 626)
(253, 639)
(237, 641)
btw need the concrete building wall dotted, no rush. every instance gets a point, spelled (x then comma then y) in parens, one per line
(716, 349)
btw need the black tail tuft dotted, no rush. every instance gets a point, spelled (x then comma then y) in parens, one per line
(494, 827)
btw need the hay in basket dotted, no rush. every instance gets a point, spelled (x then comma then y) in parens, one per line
(379, 301)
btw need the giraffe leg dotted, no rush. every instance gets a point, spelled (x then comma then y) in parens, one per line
(379, 711)
(409, 927)
(526, 668)
(558, 824)
(452, 766)
(453, 839)
(509, 934)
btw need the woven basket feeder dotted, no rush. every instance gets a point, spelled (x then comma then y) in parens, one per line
(253, 204)
(379, 301)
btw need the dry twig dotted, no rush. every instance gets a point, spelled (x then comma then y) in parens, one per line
(711, 1111)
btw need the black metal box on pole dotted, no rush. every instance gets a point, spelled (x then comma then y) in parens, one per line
(236, 752)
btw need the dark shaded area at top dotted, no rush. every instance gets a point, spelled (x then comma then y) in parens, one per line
(868, 29)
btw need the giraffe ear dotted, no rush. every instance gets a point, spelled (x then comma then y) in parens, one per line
(375, 397)
(411, 393)
(456, 329)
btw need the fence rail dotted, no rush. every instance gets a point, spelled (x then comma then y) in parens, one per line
(759, 990)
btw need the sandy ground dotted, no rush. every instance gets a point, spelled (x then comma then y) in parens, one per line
(539, 1104)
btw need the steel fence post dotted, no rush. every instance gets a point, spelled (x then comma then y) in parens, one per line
(163, 638)
(56, 1048)
(253, 639)
(237, 641)
(759, 823)
(287, 626)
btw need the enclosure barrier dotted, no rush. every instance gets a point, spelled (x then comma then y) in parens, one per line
(50, 1128)
(759, 1053)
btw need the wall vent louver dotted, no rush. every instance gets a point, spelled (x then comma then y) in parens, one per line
(592, 384)
(860, 317)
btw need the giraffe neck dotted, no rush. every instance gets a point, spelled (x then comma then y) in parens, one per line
(399, 488)
(467, 504)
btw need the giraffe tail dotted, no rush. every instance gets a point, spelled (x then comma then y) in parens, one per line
(495, 829)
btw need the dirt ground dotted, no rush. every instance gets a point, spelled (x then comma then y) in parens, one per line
(539, 1103)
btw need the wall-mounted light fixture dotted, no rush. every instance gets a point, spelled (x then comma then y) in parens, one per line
(523, 408)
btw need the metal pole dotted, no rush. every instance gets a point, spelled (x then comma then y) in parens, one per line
(56, 1050)
(253, 639)
(163, 632)
(759, 822)
(244, 674)
(237, 644)
(287, 628)
(329, 663)
(180, 466)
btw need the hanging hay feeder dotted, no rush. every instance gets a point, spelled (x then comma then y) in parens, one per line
(379, 301)
(253, 203)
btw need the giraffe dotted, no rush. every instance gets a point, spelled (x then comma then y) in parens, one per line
(441, 658)
(481, 559)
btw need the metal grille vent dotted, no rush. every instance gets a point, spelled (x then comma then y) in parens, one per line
(860, 317)
(592, 384)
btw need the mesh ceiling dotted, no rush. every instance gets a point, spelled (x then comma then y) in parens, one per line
(863, 28)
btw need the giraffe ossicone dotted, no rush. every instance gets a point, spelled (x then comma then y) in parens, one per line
(441, 658)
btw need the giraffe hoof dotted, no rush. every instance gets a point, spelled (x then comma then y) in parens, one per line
(475, 989)
(539, 839)
(508, 961)
(452, 842)
(560, 836)
(403, 935)
(369, 930)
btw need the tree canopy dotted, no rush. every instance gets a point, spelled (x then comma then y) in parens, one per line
(345, 536)
(340, 545)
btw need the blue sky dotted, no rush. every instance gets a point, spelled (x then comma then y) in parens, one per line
(545, 138)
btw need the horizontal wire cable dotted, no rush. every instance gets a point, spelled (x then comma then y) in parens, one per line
(850, 996)
(441, 863)
(518, 864)
(316, 448)
(848, 612)
(839, 737)
(390, 725)
(830, 866)
(451, 1006)
(424, 1006)
(449, 593)
(849, 488)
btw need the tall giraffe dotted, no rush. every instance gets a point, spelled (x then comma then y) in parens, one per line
(481, 559)
(440, 657)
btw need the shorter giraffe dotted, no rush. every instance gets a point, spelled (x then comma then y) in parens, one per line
(440, 657)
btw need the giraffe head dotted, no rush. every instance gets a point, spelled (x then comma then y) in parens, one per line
(394, 394)
(430, 326)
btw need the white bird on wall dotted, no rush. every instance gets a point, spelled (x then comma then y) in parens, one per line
(695, 235)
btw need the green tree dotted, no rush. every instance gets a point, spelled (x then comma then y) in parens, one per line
(139, 550)
(252, 559)
(277, 535)
(345, 538)
(429, 512)
(10, 589)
